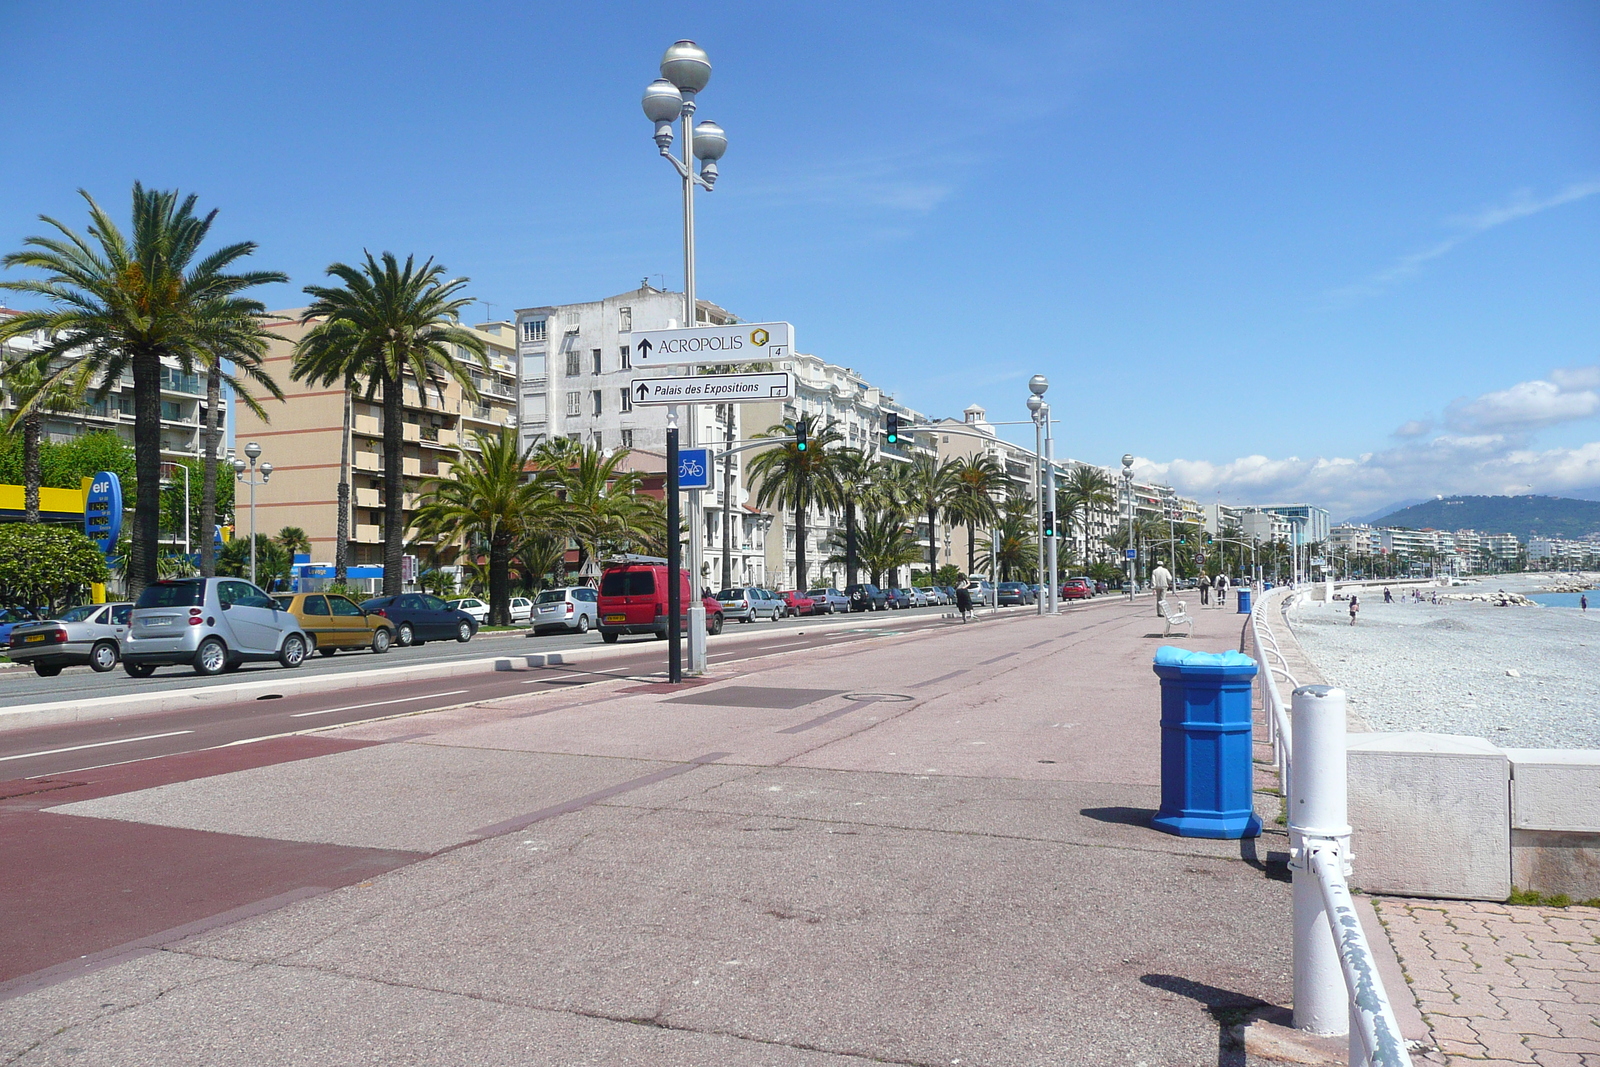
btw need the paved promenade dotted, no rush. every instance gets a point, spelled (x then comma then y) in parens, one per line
(918, 849)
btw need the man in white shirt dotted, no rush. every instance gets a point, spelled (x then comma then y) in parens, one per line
(1161, 581)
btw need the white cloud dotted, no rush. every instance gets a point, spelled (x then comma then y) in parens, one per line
(1521, 204)
(1415, 428)
(1528, 405)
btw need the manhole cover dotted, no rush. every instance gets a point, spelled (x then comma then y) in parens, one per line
(877, 696)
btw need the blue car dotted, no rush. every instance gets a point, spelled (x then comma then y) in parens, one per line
(9, 617)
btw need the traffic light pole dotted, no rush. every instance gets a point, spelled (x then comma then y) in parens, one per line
(1050, 495)
(674, 555)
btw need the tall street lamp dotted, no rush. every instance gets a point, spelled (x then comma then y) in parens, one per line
(1127, 496)
(253, 451)
(685, 70)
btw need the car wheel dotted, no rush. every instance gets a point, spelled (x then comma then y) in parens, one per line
(293, 652)
(139, 670)
(380, 640)
(329, 651)
(464, 632)
(103, 656)
(404, 635)
(583, 624)
(610, 639)
(211, 656)
(47, 670)
(715, 626)
(233, 665)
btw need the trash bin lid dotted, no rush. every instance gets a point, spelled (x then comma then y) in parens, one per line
(1184, 661)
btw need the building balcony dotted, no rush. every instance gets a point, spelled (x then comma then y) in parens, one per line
(367, 461)
(369, 425)
(411, 467)
(367, 535)
(367, 498)
(411, 432)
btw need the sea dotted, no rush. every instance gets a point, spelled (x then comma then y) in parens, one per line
(1564, 600)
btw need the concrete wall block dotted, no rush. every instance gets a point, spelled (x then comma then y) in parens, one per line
(1549, 861)
(1555, 789)
(1430, 815)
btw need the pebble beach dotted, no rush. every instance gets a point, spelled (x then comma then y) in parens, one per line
(1519, 676)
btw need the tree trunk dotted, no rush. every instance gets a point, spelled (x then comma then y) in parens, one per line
(141, 564)
(32, 474)
(799, 542)
(972, 548)
(341, 534)
(212, 437)
(852, 563)
(394, 534)
(933, 547)
(500, 580)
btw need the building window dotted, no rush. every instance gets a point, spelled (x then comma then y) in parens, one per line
(533, 330)
(533, 368)
(627, 358)
(627, 399)
(597, 440)
(624, 321)
(595, 357)
(594, 397)
(573, 368)
(575, 438)
(627, 438)
(574, 403)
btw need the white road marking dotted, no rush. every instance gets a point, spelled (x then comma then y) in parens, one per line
(379, 703)
(97, 744)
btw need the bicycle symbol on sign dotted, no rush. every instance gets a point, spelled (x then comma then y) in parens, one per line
(691, 468)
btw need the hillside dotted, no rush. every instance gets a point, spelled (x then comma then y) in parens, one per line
(1525, 516)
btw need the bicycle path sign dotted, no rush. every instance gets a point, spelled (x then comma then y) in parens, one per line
(694, 468)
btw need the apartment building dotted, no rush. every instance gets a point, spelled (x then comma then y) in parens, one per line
(303, 435)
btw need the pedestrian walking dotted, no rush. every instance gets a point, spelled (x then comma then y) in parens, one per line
(1355, 606)
(1388, 597)
(1222, 590)
(1205, 588)
(964, 597)
(1583, 601)
(1161, 581)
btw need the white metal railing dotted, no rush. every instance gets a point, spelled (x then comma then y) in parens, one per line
(1337, 988)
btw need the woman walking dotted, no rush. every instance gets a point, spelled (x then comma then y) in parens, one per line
(964, 597)
(1355, 606)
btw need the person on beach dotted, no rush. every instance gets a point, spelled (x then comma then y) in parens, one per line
(1583, 601)
(1354, 607)
(964, 597)
(1222, 590)
(1388, 597)
(1205, 588)
(1161, 581)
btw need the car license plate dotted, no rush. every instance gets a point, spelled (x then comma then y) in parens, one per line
(616, 618)
(159, 620)
(31, 638)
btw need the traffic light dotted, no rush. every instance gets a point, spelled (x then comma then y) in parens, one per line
(1049, 524)
(800, 442)
(893, 435)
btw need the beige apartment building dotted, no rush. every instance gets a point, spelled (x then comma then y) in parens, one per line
(302, 441)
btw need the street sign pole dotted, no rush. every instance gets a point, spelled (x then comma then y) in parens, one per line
(674, 554)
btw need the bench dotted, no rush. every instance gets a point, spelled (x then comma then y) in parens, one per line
(1180, 617)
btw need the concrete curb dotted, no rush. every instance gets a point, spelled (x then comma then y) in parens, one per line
(27, 716)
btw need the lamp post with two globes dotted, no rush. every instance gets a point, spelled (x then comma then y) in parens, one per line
(253, 451)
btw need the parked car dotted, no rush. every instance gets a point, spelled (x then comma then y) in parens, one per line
(573, 608)
(1077, 589)
(895, 599)
(633, 599)
(799, 603)
(864, 596)
(422, 617)
(521, 610)
(1015, 593)
(212, 624)
(949, 592)
(829, 601)
(931, 596)
(748, 603)
(89, 634)
(983, 594)
(11, 616)
(333, 621)
(472, 606)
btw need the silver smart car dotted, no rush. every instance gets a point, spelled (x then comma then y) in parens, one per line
(211, 624)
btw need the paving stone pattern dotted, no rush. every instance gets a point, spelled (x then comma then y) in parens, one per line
(1499, 984)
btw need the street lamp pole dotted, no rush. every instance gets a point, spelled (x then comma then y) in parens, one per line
(1038, 384)
(1036, 405)
(253, 452)
(685, 70)
(1127, 496)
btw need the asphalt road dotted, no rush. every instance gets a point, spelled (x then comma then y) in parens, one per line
(20, 685)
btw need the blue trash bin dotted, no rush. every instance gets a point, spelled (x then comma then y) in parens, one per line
(1244, 601)
(1207, 787)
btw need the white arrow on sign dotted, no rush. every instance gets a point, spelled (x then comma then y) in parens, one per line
(712, 388)
(747, 342)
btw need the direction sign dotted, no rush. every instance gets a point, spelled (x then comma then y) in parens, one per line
(746, 342)
(694, 468)
(712, 388)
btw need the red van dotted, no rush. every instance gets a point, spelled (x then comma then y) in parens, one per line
(633, 599)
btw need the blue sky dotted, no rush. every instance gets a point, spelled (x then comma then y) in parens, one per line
(1344, 252)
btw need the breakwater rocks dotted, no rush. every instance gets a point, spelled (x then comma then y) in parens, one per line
(1500, 599)
(1567, 587)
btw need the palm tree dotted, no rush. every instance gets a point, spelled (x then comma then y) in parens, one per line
(885, 544)
(293, 539)
(1086, 490)
(32, 396)
(601, 507)
(856, 471)
(486, 501)
(797, 480)
(125, 304)
(540, 554)
(1012, 542)
(931, 485)
(977, 479)
(388, 323)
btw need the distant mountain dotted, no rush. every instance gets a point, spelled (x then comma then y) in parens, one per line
(1525, 516)
(1387, 509)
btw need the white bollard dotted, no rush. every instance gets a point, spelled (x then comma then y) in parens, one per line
(1318, 819)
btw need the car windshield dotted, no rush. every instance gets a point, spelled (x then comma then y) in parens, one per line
(79, 613)
(730, 594)
(284, 601)
(552, 596)
(172, 594)
(817, 592)
(628, 583)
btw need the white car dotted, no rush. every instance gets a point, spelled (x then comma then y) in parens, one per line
(472, 606)
(521, 609)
